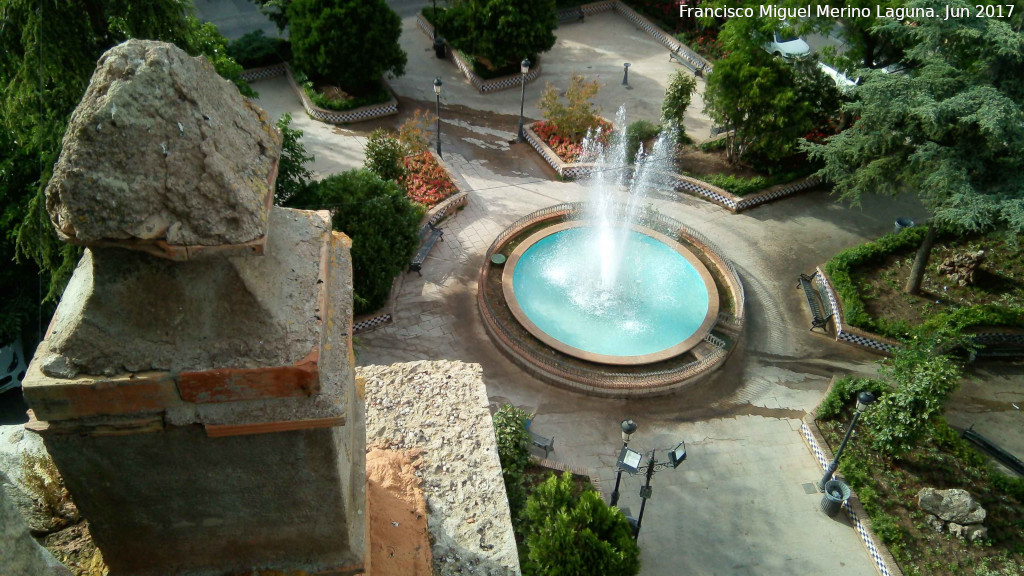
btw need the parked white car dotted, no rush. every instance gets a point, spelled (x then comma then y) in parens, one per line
(12, 366)
(844, 84)
(787, 46)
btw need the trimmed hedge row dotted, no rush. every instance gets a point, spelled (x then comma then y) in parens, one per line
(840, 270)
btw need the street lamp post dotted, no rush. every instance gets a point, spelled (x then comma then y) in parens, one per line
(628, 427)
(629, 461)
(437, 93)
(524, 67)
(625, 74)
(864, 399)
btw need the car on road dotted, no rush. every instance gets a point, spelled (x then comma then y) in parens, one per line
(787, 46)
(844, 84)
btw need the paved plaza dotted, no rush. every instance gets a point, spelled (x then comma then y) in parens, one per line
(738, 505)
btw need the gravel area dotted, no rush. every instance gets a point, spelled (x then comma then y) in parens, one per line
(441, 408)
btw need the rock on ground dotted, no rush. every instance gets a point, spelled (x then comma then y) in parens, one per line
(953, 505)
(441, 408)
(162, 148)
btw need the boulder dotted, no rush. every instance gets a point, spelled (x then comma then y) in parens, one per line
(953, 505)
(161, 149)
(960, 267)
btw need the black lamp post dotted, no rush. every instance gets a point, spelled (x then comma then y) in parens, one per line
(437, 93)
(864, 399)
(524, 67)
(628, 427)
(625, 74)
(629, 461)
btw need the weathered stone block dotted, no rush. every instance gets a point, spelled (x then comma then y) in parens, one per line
(163, 154)
(953, 505)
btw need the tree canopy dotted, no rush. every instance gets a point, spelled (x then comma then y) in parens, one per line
(348, 43)
(952, 132)
(48, 51)
(502, 32)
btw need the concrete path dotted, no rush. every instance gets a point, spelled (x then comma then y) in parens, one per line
(596, 48)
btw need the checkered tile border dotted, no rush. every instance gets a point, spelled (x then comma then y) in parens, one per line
(371, 323)
(256, 74)
(823, 455)
(567, 171)
(348, 116)
(837, 316)
(999, 338)
(660, 35)
(738, 203)
(481, 85)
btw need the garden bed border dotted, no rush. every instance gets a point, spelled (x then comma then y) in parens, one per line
(880, 344)
(482, 85)
(882, 559)
(361, 114)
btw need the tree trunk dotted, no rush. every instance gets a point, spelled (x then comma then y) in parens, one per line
(920, 263)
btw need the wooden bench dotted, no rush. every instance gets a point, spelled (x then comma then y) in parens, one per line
(570, 15)
(818, 317)
(429, 236)
(678, 57)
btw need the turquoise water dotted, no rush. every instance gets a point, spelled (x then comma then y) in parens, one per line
(656, 301)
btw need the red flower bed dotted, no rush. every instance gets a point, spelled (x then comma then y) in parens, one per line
(568, 149)
(426, 182)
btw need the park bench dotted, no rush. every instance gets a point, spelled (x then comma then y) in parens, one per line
(429, 236)
(543, 442)
(678, 57)
(813, 294)
(570, 15)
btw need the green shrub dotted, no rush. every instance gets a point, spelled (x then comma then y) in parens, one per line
(321, 100)
(382, 223)
(255, 50)
(845, 391)
(347, 43)
(572, 535)
(578, 114)
(921, 383)
(636, 133)
(738, 185)
(384, 155)
(500, 32)
(514, 452)
(677, 100)
(293, 177)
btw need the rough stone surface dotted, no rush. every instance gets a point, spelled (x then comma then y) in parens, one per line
(953, 505)
(162, 148)
(19, 552)
(441, 408)
(125, 311)
(961, 267)
(396, 517)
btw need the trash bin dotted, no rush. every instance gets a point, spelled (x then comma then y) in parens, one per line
(439, 47)
(902, 223)
(836, 492)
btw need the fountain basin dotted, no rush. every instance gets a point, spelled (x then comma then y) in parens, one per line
(664, 302)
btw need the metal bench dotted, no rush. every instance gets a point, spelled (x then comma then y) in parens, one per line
(570, 15)
(429, 236)
(814, 295)
(542, 442)
(678, 57)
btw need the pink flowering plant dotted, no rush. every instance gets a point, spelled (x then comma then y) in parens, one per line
(426, 182)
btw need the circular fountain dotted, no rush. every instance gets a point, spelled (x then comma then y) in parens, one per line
(609, 296)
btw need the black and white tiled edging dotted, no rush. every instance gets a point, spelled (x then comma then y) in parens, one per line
(837, 316)
(256, 74)
(740, 203)
(368, 324)
(481, 85)
(565, 170)
(880, 555)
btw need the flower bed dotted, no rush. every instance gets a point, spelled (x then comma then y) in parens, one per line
(426, 181)
(568, 149)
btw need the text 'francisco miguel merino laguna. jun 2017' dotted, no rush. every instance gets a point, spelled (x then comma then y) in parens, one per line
(827, 11)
